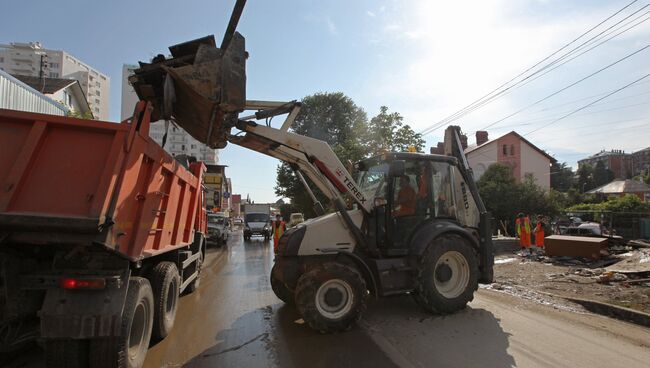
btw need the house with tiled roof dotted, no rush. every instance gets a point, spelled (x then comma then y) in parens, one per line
(66, 91)
(512, 150)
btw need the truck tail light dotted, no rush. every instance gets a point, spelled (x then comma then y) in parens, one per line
(82, 284)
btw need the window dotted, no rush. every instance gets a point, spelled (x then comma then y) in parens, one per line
(2, 60)
(97, 93)
(182, 147)
(96, 100)
(54, 65)
(54, 75)
(102, 77)
(68, 98)
(193, 146)
(173, 129)
(97, 84)
(505, 149)
(512, 150)
(97, 110)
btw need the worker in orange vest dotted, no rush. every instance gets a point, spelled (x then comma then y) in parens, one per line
(279, 227)
(539, 232)
(522, 225)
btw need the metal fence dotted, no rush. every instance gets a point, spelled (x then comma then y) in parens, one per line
(629, 225)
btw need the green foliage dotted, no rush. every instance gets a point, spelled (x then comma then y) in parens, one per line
(585, 181)
(387, 132)
(561, 176)
(627, 203)
(337, 120)
(504, 197)
(76, 114)
(602, 175)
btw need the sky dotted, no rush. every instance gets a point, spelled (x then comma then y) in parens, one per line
(423, 59)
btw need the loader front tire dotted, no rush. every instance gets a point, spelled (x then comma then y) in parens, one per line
(280, 289)
(447, 275)
(331, 297)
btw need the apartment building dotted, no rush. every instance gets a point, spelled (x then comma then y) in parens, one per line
(618, 161)
(178, 140)
(32, 59)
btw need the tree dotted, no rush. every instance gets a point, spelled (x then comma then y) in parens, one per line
(335, 119)
(88, 115)
(585, 178)
(498, 190)
(387, 132)
(505, 198)
(602, 175)
(561, 176)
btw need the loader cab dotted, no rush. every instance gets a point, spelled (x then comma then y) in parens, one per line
(409, 190)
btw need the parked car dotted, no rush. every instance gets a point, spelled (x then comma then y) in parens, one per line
(295, 219)
(218, 228)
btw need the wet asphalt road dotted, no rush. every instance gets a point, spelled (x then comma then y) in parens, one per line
(235, 320)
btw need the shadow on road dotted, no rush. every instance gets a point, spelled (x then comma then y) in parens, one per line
(471, 337)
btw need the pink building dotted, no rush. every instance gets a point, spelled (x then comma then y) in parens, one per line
(512, 150)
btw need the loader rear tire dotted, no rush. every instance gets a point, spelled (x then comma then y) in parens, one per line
(66, 353)
(130, 349)
(331, 297)
(165, 283)
(281, 291)
(447, 275)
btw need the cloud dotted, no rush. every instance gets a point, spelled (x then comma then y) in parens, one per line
(331, 27)
(444, 55)
(370, 14)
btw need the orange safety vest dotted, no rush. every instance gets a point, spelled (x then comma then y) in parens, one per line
(523, 230)
(278, 230)
(539, 235)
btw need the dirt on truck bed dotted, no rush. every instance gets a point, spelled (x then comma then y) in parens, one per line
(575, 278)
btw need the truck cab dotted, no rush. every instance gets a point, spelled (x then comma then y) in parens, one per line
(257, 223)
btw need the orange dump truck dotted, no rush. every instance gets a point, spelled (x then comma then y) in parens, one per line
(101, 230)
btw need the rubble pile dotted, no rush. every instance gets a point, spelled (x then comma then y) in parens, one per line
(622, 279)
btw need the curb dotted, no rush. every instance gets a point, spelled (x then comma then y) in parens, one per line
(610, 310)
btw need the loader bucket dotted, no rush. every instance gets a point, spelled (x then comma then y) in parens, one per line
(201, 87)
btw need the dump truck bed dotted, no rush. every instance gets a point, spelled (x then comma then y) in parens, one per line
(71, 181)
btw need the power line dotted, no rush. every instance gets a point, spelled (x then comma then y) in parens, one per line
(593, 47)
(589, 104)
(491, 95)
(567, 87)
(540, 120)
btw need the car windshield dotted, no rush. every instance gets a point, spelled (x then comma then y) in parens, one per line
(372, 180)
(257, 217)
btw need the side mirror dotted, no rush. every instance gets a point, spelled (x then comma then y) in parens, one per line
(396, 168)
(379, 201)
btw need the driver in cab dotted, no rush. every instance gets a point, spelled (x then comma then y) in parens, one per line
(406, 198)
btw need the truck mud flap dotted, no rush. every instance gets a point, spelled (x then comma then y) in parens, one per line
(82, 314)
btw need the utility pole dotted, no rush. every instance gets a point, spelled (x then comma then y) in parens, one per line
(41, 72)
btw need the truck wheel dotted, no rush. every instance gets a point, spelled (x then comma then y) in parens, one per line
(447, 275)
(130, 349)
(280, 290)
(165, 283)
(331, 297)
(66, 353)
